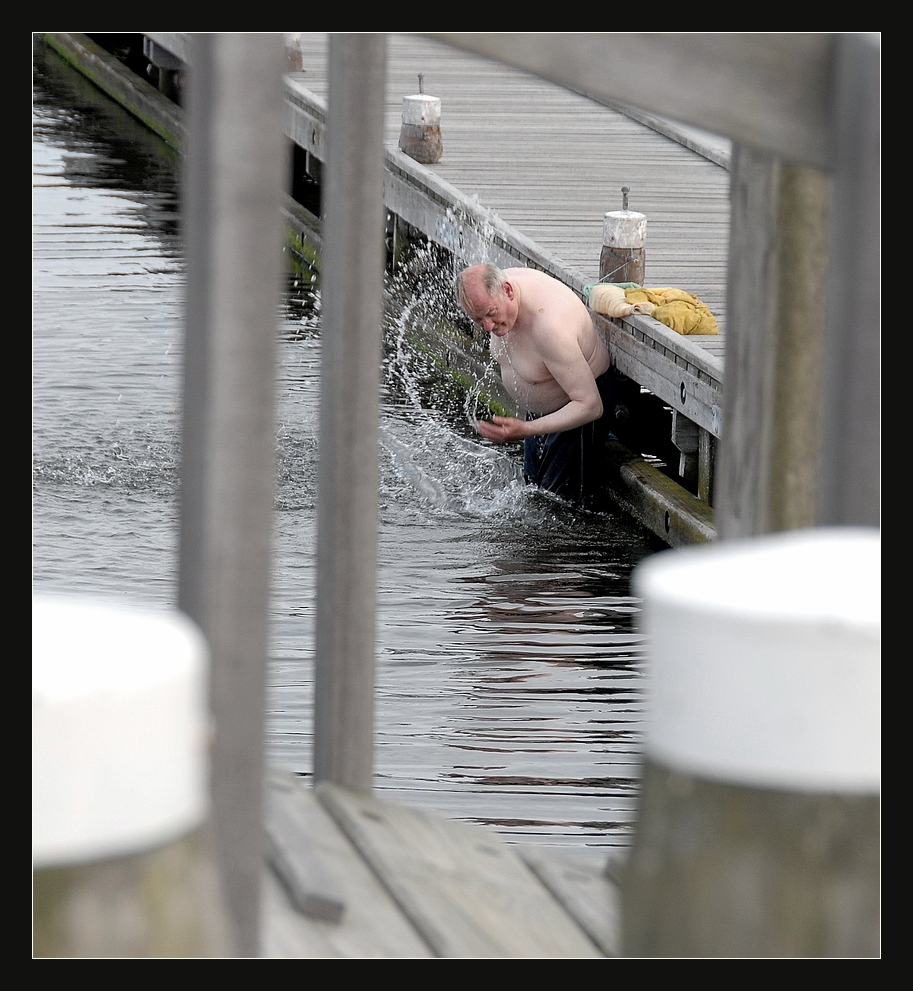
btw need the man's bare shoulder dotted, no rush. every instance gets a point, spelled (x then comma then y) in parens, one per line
(531, 276)
(538, 286)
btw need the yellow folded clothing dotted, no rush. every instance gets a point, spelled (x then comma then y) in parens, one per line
(677, 309)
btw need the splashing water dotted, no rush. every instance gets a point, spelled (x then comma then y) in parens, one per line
(438, 382)
(450, 473)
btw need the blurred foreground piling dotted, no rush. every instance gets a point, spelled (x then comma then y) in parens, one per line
(758, 828)
(122, 863)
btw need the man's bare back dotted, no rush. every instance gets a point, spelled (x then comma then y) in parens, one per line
(549, 352)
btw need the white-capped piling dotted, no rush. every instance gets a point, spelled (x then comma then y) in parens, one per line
(120, 783)
(420, 133)
(757, 832)
(624, 236)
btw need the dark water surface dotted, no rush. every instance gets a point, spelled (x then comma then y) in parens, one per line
(508, 665)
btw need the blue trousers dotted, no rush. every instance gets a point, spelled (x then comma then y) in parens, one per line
(570, 464)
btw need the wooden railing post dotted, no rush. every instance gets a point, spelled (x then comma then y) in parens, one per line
(767, 474)
(352, 316)
(236, 176)
(850, 451)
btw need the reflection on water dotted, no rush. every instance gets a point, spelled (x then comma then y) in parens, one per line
(508, 666)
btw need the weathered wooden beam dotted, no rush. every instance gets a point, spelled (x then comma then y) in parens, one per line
(771, 91)
(371, 927)
(234, 182)
(591, 897)
(767, 477)
(657, 358)
(293, 856)
(662, 505)
(352, 329)
(850, 452)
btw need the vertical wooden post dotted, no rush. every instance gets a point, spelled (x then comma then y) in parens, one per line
(801, 444)
(850, 453)
(352, 294)
(235, 178)
(624, 234)
(767, 471)
(420, 131)
(706, 460)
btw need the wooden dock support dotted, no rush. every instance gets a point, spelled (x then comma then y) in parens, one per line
(768, 475)
(850, 448)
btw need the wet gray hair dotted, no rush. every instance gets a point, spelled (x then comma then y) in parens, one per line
(492, 279)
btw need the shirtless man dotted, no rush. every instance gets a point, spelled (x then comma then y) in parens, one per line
(553, 362)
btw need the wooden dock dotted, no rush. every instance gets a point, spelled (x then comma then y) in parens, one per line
(527, 173)
(354, 876)
(529, 170)
(545, 162)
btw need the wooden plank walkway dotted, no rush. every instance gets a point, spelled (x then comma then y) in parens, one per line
(353, 876)
(550, 163)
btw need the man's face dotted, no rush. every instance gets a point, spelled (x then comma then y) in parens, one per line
(494, 314)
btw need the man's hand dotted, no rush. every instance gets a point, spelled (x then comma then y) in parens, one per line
(502, 429)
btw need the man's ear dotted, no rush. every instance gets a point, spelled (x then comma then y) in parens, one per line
(508, 289)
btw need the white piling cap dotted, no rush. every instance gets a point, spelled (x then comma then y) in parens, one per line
(421, 110)
(765, 660)
(624, 229)
(120, 728)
